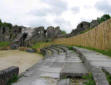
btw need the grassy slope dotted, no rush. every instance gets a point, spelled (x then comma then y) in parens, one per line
(4, 44)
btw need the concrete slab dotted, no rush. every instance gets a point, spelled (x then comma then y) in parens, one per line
(73, 70)
(64, 82)
(96, 59)
(108, 70)
(44, 81)
(101, 64)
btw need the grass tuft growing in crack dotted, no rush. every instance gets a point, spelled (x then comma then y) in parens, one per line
(90, 80)
(70, 48)
(13, 79)
(108, 76)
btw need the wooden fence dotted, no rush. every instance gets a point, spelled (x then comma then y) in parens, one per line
(99, 37)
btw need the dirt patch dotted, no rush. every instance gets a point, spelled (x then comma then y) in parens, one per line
(18, 58)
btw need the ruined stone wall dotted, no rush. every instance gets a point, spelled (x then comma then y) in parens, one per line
(9, 33)
(25, 36)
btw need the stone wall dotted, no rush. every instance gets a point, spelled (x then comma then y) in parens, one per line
(7, 74)
(25, 36)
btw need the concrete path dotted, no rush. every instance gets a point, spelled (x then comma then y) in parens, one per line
(53, 68)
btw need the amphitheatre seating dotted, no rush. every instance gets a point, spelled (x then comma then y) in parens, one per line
(98, 74)
(61, 65)
(54, 52)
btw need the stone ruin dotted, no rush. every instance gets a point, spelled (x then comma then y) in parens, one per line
(26, 36)
(22, 36)
(84, 26)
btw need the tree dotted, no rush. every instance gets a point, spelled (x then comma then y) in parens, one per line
(63, 32)
(104, 18)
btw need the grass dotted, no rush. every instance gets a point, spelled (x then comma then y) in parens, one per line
(4, 44)
(70, 48)
(90, 80)
(104, 52)
(13, 80)
(85, 31)
(40, 45)
(108, 76)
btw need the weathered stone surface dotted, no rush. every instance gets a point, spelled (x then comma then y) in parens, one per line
(98, 74)
(107, 69)
(8, 34)
(7, 74)
(50, 68)
(94, 23)
(52, 32)
(73, 70)
(81, 27)
(25, 36)
(64, 82)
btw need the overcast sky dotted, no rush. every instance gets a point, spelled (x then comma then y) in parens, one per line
(64, 13)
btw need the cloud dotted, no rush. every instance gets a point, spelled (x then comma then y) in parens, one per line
(55, 7)
(75, 10)
(39, 22)
(64, 13)
(104, 6)
(64, 25)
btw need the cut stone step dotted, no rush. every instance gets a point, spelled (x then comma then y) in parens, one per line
(64, 82)
(100, 63)
(45, 81)
(77, 81)
(73, 70)
(107, 69)
(52, 71)
(58, 50)
(99, 76)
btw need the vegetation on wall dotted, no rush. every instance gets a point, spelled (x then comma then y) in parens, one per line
(5, 24)
(104, 18)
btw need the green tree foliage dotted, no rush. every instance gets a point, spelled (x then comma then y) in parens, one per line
(104, 18)
(5, 24)
(63, 32)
